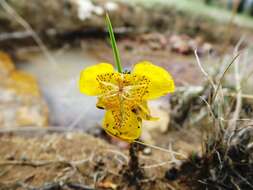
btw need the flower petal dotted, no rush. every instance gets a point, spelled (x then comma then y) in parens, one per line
(161, 81)
(143, 111)
(88, 83)
(127, 129)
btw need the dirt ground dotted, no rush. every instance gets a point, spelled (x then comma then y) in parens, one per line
(39, 160)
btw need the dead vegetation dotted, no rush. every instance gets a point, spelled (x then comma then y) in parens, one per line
(226, 161)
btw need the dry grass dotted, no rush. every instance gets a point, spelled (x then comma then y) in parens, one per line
(226, 161)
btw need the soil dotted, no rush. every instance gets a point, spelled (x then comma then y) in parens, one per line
(49, 160)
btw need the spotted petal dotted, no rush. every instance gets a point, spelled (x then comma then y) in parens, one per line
(88, 83)
(142, 111)
(123, 124)
(161, 81)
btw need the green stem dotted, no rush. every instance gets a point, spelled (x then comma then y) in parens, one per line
(114, 45)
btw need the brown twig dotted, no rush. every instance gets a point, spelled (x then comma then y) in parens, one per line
(41, 163)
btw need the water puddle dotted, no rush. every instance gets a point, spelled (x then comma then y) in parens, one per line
(59, 86)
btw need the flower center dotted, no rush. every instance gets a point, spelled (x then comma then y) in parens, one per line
(118, 89)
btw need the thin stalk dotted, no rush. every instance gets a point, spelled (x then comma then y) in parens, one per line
(114, 45)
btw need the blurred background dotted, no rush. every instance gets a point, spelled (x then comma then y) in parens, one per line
(45, 44)
(204, 137)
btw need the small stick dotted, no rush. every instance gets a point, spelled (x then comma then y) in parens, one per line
(203, 70)
(42, 163)
(162, 149)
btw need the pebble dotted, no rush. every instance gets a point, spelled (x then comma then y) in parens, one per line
(147, 151)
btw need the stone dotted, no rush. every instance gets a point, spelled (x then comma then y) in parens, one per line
(160, 109)
(6, 65)
(21, 103)
(147, 151)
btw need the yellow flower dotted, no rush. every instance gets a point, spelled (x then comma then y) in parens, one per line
(125, 95)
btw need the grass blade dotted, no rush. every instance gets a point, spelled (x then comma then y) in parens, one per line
(114, 44)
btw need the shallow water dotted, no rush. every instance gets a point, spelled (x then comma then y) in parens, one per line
(59, 85)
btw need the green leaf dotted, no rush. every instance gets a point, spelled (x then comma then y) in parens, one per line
(114, 44)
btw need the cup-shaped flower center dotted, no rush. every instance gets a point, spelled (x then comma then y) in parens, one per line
(118, 89)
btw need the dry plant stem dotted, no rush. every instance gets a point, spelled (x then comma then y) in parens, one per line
(134, 172)
(133, 153)
(203, 70)
(43, 163)
(246, 96)
(170, 151)
(219, 85)
(134, 160)
(232, 124)
(9, 10)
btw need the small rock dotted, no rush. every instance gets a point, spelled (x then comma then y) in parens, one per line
(111, 6)
(23, 157)
(6, 65)
(69, 136)
(21, 103)
(86, 8)
(207, 47)
(155, 41)
(147, 151)
(161, 109)
(10, 156)
(180, 44)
